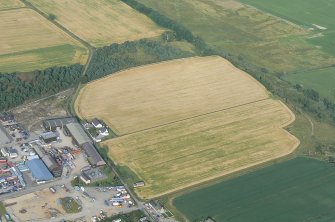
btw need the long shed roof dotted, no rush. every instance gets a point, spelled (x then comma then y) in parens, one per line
(92, 155)
(78, 133)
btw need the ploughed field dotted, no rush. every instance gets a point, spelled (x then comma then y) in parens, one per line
(300, 189)
(29, 42)
(187, 121)
(100, 22)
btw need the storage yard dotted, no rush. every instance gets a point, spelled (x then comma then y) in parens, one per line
(100, 23)
(46, 45)
(34, 167)
(228, 122)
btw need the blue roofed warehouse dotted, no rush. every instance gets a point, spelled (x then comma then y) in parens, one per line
(39, 170)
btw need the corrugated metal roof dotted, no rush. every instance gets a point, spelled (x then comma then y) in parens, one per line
(58, 122)
(39, 170)
(78, 133)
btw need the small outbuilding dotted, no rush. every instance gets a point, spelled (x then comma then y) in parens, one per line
(49, 137)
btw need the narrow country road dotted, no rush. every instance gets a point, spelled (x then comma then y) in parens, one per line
(71, 34)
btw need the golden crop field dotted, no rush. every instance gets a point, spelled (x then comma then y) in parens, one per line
(9, 4)
(157, 94)
(196, 150)
(187, 121)
(31, 42)
(100, 22)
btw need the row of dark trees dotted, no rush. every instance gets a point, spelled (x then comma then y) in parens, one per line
(117, 57)
(15, 90)
(181, 32)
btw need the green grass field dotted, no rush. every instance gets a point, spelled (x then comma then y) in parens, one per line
(301, 189)
(305, 13)
(256, 37)
(308, 13)
(321, 80)
(41, 58)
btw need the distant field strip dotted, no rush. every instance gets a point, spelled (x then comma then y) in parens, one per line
(9, 4)
(100, 22)
(253, 36)
(196, 119)
(29, 42)
(157, 94)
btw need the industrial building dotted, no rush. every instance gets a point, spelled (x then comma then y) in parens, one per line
(39, 170)
(93, 156)
(49, 137)
(77, 133)
(52, 124)
(53, 166)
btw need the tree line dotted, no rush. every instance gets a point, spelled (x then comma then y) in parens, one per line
(181, 32)
(15, 90)
(116, 57)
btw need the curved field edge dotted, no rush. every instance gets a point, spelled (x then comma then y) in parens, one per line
(168, 199)
(289, 117)
(196, 66)
(287, 191)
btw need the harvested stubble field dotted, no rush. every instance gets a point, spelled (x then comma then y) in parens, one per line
(158, 94)
(31, 42)
(196, 119)
(9, 4)
(100, 22)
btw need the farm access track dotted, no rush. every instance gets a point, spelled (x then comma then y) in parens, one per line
(90, 48)
(192, 117)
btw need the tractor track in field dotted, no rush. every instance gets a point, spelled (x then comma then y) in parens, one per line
(90, 48)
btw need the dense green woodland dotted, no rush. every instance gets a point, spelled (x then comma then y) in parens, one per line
(15, 90)
(116, 57)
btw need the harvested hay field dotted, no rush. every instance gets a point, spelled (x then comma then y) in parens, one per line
(100, 22)
(158, 94)
(9, 4)
(188, 121)
(31, 42)
(196, 150)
